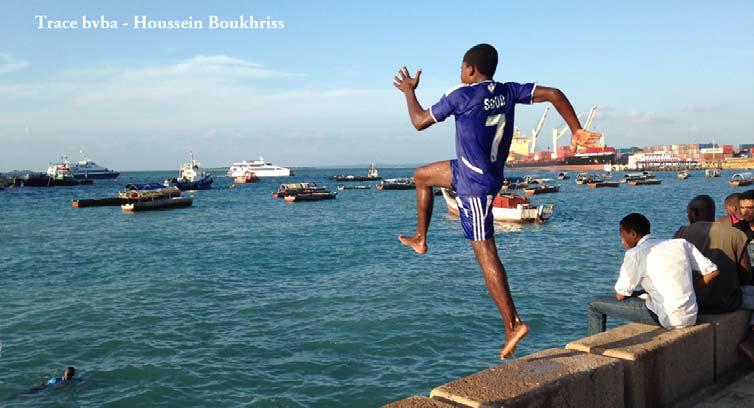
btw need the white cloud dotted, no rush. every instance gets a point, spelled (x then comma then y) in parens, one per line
(8, 64)
(211, 65)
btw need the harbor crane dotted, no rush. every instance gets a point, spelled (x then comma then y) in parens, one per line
(535, 132)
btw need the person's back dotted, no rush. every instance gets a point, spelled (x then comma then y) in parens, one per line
(484, 115)
(668, 280)
(725, 246)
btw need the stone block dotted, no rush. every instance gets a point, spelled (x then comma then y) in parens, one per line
(418, 402)
(730, 329)
(660, 366)
(550, 378)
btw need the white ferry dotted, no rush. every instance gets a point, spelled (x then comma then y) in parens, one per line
(259, 167)
(83, 169)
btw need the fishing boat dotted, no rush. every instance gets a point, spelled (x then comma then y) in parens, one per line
(683, 175)
(248, 177)
(190, 177)
(514, 183)
(397, 184)
(148, 191)
(741, 179)
(311, 196)
(644, 175)
(290, 189)
(258, 167)
(583, 178)
(542, 189)
(603, 183)
(342, 188)
(507, 208)
(712, 173)
(83, 169)
(563, 176)
(162, 203)
(539, 180)
(644, 182)
(372, 175)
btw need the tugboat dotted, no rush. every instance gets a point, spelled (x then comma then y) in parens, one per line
(507, 208)
(372, 175)
(190, 178)
(397, 184)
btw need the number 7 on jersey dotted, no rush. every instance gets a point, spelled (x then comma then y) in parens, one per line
(499, 121)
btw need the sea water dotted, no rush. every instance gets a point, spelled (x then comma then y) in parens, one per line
(244, 300)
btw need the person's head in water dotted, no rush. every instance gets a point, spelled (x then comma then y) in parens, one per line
(69, 373)
(701, 208)
(731, 205)
(479, 64)
(633, 227)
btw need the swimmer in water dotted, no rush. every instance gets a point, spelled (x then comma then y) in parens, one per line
(67, 378)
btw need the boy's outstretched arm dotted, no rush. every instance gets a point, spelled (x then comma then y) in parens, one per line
(420, 117)
(580, 137)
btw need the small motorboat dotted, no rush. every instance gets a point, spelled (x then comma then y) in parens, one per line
(712, 173)
(603, 183)
(290, 189)
(341, 188)
(311, 196)
(607, 175)
(583, 178)
(507, 208)
(514, 183)
(190, 177)
(563, 176)
(248, 177)
(741, 179)
(542, 189)
(683, 175)
(161, 203)
(644, 182)
(397, 184)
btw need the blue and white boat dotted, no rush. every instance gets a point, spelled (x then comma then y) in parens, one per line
(83, 169)
(191, 178)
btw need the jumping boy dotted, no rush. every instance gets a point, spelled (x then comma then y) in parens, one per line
(484, 111)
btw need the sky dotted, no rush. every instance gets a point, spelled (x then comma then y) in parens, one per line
(319, 92)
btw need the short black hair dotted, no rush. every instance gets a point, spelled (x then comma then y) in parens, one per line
(732, 199)
(635, 222)
(703, 207)
(746, 195)
(483, 57)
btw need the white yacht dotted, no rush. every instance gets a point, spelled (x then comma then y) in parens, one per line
(259, 167)
(82, 169)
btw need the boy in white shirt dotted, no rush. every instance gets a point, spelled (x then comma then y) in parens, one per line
(663, 268)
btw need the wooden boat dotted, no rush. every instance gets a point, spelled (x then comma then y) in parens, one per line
(341, 188)
(683, 175)
(712, 172)
(372, 175)
(397, 184)
(311, 196)
(514, 183)
(644, 175)
(290, 189)
(507, 208)
(644, 182)
(542, 189)
(148, 191)
(602, 183)
(248, 177)
(162, 203)
(99, 202)
(741, 179)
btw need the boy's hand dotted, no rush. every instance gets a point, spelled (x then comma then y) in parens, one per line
(583, 138)
(406, 83)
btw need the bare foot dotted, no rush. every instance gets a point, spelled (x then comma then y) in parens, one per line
(511, 340)
(415, 242)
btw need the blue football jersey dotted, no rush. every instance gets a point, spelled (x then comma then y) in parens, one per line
(484, 114)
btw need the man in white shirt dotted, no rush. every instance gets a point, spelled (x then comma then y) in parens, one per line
(663, 268)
